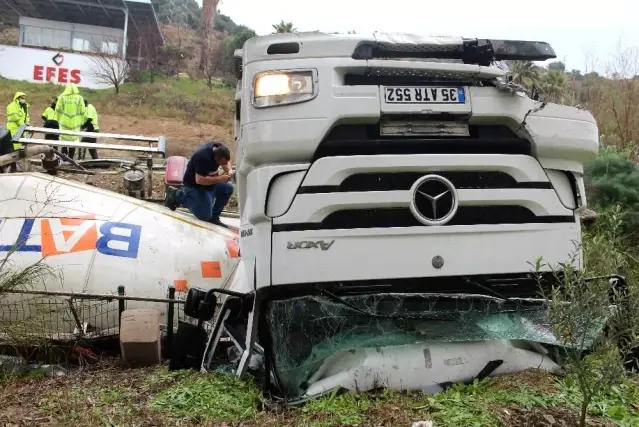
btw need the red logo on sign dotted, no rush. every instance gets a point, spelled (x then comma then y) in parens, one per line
(58, 59)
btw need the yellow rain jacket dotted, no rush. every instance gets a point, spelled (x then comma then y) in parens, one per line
(70, 111)
(93, 115)
(49, 114)
(17, 116)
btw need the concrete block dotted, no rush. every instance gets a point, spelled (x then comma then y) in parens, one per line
(140, 337)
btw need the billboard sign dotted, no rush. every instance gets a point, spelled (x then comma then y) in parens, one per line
(42, 66)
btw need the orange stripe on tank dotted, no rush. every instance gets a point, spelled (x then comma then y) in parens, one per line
(181, 285)
(211, 269)
(233, 248)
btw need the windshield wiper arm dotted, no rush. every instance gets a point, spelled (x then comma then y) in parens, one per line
(486, 288)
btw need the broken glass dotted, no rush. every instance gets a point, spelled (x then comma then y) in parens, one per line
(307, 330)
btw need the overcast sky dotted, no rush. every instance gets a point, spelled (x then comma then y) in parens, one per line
(572, 27)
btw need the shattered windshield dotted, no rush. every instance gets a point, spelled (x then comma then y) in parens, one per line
(307, 330)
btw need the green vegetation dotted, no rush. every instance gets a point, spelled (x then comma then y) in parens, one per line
(218, 397)
(613, 99)
(578, 309)
(166, 98)
(19, 336)
(284, 27)
(154, 396)
(613, 179)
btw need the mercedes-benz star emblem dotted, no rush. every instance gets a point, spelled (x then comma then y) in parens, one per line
(434, 200)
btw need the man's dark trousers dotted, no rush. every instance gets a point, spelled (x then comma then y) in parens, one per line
(92, 151)
(205, 203)
(51, 124)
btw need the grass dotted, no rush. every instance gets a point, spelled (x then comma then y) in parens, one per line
(112, 396)
(185, 99)
(218, 397)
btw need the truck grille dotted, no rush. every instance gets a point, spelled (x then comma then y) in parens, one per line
(409, 80)
(392, 181)
(402, 217)
(516, 191)
(353, 140)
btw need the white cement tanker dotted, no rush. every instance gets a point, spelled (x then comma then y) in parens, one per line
(96, 240)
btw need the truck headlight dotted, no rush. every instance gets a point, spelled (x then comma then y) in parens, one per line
(274, 88)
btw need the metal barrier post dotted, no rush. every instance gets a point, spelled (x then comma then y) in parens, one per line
(169, 318)
(121, 304)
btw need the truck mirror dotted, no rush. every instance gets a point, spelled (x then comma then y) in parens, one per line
(200, 304)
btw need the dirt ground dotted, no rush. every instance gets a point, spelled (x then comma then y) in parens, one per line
(182, 138)
(111, 179)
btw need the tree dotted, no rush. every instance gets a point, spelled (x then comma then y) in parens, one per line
(557, 65)
(174, 57)
(594, 321)
(553, 86)
(237, 42)
(590, 90)
(623, 91)
(108, 67)
(214, 61)
(207, 23)
(151, 58)
(524, 73)
(172, 12)
(284, 27)
(613, 179)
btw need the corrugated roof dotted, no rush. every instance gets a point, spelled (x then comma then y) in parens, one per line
(104, 13)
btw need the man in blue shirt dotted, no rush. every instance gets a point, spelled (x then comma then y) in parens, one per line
(206, 191)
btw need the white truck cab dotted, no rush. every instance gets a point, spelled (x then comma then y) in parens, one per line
(395, 193)
(399, 157)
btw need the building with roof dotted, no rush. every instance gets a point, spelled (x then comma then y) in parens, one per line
(60, 39)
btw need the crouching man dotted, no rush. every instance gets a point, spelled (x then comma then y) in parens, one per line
(205, 191)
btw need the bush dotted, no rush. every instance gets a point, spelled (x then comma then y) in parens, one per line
(613, 179)
(597, 325)
(605, 248)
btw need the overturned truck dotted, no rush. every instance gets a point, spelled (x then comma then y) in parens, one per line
(395, 192)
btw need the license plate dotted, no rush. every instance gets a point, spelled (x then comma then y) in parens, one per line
(424, 95)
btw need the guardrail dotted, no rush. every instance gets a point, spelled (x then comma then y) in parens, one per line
(157, 145)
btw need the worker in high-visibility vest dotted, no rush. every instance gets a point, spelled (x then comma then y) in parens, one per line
(70, 110)
(17, 115)
(90, 125)
(50, 120)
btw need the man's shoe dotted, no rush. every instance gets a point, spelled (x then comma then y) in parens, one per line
(216, 220)
(169, 198)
